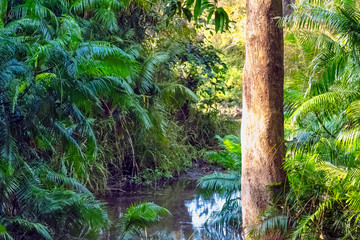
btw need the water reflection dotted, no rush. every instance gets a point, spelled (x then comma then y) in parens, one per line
(200, 209)
(189, 211)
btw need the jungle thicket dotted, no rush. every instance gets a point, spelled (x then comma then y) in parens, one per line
(97, 95)
(321, 200)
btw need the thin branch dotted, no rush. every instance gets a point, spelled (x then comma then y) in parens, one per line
(323, 125)
(44, 71)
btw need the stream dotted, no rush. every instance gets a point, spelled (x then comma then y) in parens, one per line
(189, 211)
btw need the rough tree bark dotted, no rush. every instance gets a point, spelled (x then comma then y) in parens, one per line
(262, 130)
(287, 9)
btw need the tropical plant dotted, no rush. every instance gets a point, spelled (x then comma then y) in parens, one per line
(83, 100)
(134, 222)
(328, 68)
(322, 94)
(225, 184)
(213, 11)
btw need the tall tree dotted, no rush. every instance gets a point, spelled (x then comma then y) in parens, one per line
(262, 130)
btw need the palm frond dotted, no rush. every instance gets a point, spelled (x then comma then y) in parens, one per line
(220, 182)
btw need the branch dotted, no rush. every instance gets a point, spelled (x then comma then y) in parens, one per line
(44, 71)
(323, 126)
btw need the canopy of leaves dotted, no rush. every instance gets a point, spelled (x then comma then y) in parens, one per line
(86, 92)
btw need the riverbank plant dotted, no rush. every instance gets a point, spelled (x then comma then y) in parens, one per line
(321, 111)
(322, 125)
(91, 94)
(226, 184)
(133, 224)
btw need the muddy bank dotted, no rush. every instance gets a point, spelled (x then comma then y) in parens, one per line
(127, 184)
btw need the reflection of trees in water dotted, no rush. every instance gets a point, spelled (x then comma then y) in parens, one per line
(189, 211)
(202, 209)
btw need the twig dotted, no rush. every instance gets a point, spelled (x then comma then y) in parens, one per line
(323, 125)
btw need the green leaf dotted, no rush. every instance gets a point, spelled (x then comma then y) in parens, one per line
(3, 7)
(207, 5)
(217, 21)
(221, 20)
(227, 20)
(189, 3)
(211, 12)
(197, 9)
(125, 3)
(187, 14)
(142, 215)
(179, 7)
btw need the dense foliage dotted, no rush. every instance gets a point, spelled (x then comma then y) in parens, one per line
(92, 92)
(322, 43)
(322, 128)
(97, 93)
(226, 185)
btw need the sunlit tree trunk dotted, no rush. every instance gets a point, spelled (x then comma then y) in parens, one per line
(287, 9)
(262, 129)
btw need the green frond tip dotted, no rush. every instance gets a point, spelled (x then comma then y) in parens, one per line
(142, 215)
(220, 182)
(2, 229)
(329, 101)
(28, 225)
(174, 92)
(280, 226)
(229, 158)
(57, 178)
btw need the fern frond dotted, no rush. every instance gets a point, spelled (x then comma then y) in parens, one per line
(219, 182)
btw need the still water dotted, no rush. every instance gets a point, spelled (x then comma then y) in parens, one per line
(189, 211)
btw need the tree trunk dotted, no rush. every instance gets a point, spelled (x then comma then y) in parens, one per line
(287, 9)
(262, 130)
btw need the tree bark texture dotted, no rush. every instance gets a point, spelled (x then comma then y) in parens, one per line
(287, 9)
(262, 130)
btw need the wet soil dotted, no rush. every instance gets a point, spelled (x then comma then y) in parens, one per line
(198, 169)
